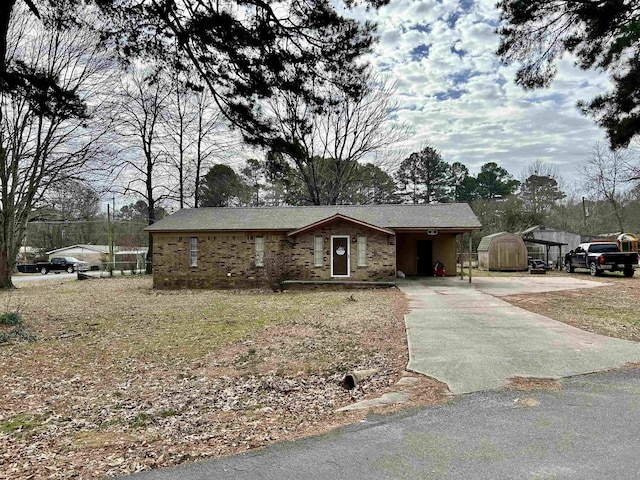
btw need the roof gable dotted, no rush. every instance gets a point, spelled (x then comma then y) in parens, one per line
(336, 217)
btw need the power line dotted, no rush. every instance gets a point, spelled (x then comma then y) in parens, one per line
(69, 222)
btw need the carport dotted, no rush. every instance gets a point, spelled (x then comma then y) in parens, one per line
(418, 250)
(548, 244)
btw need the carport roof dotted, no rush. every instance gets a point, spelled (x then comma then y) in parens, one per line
(91, 248)
(449, 216)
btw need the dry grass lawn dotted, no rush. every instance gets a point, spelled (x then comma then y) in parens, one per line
(123, 378)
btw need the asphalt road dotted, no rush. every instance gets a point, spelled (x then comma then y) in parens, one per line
(589, 429)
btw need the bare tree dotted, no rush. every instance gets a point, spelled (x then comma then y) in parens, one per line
(540, 189)
(349, 131)
(213, 140)
(45, 142)
(606, 174)
(143, 102)
(178, 119)
(633, 163)
(544, 169)
(195, 137)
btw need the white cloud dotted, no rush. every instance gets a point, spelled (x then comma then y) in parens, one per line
(458, 95)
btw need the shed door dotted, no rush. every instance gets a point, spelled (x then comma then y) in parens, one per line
(340, 256)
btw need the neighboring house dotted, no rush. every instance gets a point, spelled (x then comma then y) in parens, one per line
(502, 251)
(94, 255)
(228, 247)
(540, 232)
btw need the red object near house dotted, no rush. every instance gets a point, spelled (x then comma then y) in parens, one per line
(439, 270)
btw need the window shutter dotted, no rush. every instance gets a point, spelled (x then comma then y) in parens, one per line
(362, 251)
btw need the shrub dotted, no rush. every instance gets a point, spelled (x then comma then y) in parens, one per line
(276, 270)
(11, 319)
(16, 331)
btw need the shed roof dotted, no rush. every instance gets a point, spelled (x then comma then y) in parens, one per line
(485, 242)
(437, 216)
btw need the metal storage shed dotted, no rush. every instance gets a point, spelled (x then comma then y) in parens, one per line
(502, 251)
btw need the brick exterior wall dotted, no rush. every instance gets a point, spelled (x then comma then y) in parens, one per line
(228, 259)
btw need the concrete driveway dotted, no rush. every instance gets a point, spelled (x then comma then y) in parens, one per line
(464, 335)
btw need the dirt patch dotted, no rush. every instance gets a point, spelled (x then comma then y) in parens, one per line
(426, 391)
(528, 384)
(527, 402)
(610, 310)
(123, 378)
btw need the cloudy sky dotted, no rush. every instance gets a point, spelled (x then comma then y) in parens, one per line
(459, 98)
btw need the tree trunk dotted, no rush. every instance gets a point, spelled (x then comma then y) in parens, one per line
(151, 220)
(5, 17)
(6, 268)
(149, 262)
(151, 214)
(196, 194)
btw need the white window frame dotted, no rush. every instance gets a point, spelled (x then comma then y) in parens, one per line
(348, 256)
(318, 251)
(193, 251)
(259, 250)
(362, 251)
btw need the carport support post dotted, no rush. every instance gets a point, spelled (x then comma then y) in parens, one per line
(560, 266)
(460, 244)
(470, 248)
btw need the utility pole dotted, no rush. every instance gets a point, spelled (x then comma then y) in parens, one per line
(110, 240)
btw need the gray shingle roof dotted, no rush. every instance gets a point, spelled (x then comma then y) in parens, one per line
(439, 215)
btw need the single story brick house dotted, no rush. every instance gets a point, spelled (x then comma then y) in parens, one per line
(231, 247)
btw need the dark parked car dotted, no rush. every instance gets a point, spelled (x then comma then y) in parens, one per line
(62, 264)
